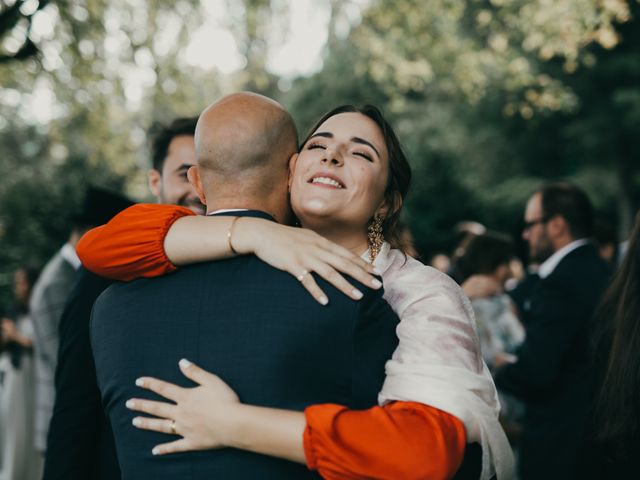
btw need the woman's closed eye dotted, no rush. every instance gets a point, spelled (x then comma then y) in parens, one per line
(360, 153)
(364, 155)
(312, 146)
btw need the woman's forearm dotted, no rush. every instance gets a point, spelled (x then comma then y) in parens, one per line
(269, 431)
(197, 239)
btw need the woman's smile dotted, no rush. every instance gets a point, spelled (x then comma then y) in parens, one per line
(327, 180)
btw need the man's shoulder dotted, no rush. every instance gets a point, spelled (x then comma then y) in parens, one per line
(216, 280)
(583, 265)
(575, 285)
(57, 278)
(50, 271)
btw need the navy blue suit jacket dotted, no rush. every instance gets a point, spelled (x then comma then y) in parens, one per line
(254, 326)
(554, 374)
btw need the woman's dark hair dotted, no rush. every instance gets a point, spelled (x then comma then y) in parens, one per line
(483, 254)
(618, 352)
(399, 168)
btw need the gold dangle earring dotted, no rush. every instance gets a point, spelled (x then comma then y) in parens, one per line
(375, 236)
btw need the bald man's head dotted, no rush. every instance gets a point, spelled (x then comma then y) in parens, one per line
(244, 141)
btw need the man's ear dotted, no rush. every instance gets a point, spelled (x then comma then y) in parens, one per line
(193, 174)
(557, 226)
(292, 166)
(154, 177)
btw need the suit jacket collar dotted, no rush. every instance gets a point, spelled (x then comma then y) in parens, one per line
(551, 263)
(242, 213)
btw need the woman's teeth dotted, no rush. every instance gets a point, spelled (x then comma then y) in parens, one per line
(327, 181)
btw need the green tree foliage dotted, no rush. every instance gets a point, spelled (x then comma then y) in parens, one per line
(76, 114)
(16, 20)
(482, 134)
(490, 98)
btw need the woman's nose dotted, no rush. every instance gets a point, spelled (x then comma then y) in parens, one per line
(333, 156)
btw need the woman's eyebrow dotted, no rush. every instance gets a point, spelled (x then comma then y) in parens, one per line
(322, 134)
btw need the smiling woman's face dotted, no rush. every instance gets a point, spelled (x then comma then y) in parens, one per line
(341, 173)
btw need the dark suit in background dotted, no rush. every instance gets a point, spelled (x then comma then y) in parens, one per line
(554, 375)
(254, 326)
(80, 443)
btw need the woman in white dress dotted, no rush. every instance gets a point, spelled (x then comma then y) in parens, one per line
(18, 457)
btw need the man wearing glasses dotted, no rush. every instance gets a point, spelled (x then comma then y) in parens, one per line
(553, 374)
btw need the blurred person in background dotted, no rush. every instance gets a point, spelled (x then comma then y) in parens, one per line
(553, 374)
(80, 443)
(49, 297)
(489, 256)
(499, 329)
(521, 291)
(173, 152)
(469, 228)
(18, 457)
(440, 261)
(518, 274)
(616, 433)
(464, 231)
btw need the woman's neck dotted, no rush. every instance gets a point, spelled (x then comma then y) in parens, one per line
(353, 240)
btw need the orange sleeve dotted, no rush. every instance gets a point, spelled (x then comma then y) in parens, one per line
(131, 245)
(405, 440)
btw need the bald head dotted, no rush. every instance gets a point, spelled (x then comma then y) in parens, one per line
(246, 140)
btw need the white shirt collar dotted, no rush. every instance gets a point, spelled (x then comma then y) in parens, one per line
(70, 255)
(550, 264)
(227, 210)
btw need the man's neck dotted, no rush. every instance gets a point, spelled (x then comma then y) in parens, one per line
(560, 243)
(280, 215)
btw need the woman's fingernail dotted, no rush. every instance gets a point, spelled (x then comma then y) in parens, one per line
(376, 283)
(137, 422)
(357, 294)
(184, 363)
(323, 300)
(130, 404)
(377, 271)
(139, 382)
(155, 451)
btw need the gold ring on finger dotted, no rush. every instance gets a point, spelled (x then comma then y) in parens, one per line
(173, 427)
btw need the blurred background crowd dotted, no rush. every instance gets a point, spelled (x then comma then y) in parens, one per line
(491, 98)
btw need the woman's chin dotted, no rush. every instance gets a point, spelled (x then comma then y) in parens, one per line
(317, 208)
(316, 215)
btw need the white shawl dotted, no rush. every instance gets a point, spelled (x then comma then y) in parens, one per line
(438, 361)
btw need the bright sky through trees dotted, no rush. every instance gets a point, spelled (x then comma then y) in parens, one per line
(294, 46)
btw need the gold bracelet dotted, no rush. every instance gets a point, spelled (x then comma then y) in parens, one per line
(229, 233)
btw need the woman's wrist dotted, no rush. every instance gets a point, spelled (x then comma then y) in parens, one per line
(264, 430)
(244, 235)
(236, 428)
